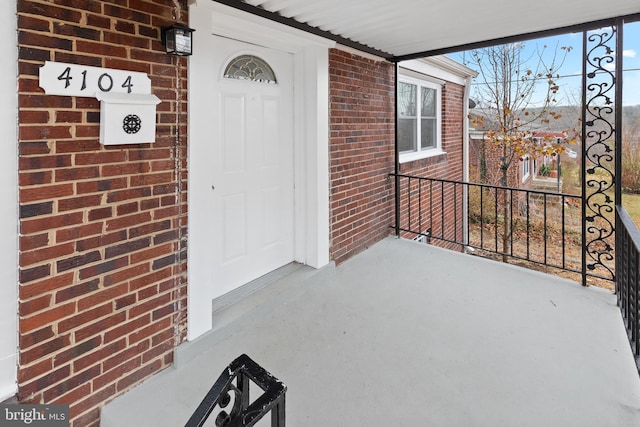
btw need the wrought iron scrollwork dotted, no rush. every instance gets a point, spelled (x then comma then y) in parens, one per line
(599, 130)
(224, 418)
(233, 385)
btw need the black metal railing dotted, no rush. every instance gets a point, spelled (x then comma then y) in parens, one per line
(535, 226)
(628, 276)
(243, 412)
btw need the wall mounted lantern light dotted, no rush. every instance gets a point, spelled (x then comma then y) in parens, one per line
(178, 40)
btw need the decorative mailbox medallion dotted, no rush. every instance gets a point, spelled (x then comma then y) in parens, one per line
(131, 124)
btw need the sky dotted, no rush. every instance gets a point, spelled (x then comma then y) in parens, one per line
(570, 72)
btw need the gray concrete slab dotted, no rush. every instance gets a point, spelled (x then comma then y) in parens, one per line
(407, 334)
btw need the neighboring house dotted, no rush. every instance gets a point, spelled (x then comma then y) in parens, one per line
(484, 163)
(121, 249)
(548, 165)
(485, 160)
(556, 128)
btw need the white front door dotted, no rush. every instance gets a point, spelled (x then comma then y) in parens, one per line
(250, 161)
(242, 143)
(241, 167)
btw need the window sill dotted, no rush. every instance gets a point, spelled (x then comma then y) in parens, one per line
(410, 157)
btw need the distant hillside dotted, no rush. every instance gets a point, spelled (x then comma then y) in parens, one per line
(569, 117)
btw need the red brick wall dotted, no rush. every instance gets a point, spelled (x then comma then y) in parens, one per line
(102, 254)
(362, 155)
(494, 174)
(361, 150)
(436, 205)
(492, 161)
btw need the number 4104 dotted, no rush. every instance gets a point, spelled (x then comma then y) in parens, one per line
(105, 81)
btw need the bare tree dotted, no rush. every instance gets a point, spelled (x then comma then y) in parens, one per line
(516, 95)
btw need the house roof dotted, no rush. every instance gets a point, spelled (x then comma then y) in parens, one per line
(405, 29)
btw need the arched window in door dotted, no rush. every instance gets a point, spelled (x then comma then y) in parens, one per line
(250, 67)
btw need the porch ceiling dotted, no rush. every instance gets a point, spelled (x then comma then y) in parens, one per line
(406, 27)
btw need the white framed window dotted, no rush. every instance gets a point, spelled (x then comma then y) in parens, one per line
(526, 167)
(419, 118)
(250, 67)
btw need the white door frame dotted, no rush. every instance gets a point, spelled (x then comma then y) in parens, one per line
(311, 137)
(9, 209)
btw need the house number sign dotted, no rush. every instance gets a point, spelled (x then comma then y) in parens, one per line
(57, 78)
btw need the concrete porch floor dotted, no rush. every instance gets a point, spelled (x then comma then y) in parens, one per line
(407, 334)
